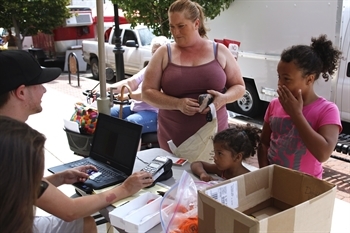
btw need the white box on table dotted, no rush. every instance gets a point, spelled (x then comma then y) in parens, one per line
(119, 213)
(144, 218)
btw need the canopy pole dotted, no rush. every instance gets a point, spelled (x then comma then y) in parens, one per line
(103, 103)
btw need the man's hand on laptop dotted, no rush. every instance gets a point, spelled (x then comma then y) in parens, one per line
(137, 181)
(77, 174)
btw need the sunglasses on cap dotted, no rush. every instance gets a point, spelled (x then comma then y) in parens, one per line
(42, 188)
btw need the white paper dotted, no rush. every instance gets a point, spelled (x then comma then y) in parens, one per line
(225, 194)
(71, 125)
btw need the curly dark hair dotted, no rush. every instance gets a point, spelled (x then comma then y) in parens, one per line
(239, 139)
(320, 57)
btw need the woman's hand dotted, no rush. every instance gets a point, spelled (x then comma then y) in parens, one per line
(137, 181)
(77, 174)
(188, 106)
(219, 101)
(119, 96)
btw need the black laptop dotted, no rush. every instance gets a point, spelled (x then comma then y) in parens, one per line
(113, 152)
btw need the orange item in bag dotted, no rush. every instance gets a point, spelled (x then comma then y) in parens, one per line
(188, 225)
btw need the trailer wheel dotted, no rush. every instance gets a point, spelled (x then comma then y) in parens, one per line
(250, 104)
(94, 67)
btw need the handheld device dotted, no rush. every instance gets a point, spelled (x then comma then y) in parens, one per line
(204, 100)
(158, 166)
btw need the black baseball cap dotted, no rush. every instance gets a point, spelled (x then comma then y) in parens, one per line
(19, 67)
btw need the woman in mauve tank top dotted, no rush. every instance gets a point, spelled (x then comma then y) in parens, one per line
(179, 72)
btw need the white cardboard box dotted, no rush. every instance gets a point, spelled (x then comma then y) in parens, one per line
(271, 199)
(118, 215)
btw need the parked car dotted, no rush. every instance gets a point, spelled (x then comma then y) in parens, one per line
(135, 42)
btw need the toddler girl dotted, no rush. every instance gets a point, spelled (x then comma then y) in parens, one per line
(231, 147)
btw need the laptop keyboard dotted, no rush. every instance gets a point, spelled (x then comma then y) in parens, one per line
(106, 174)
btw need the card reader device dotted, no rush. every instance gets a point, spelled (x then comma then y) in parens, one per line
(160, 168)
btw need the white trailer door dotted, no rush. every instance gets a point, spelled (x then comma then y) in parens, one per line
(343, 82)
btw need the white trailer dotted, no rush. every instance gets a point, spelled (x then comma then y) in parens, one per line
(265, 28)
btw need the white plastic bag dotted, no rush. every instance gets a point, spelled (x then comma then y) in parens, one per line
(200, 145)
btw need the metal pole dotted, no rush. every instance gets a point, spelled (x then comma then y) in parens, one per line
(118, 49)
(102, 102)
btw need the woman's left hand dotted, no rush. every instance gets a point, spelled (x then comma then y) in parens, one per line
(291, 104)
(219, 101)
(77, 174)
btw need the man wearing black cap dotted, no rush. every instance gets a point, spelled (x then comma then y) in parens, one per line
(21, 90)
(21, 77)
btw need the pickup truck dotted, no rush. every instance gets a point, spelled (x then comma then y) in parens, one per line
(136, 43)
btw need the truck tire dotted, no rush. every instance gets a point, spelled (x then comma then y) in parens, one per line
(250, 104)
(94, 67)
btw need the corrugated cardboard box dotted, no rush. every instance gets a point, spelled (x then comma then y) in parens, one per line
(271, 199)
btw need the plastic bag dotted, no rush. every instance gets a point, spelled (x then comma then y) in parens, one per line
(200, 145)
(86, 117)
(179, 206)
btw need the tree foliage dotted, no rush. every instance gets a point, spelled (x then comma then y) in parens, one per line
(154, 13)
(29, 17)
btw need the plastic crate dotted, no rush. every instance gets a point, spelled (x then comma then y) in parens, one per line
(80, 144)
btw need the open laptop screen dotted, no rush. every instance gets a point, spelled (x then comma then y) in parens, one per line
(116, 142)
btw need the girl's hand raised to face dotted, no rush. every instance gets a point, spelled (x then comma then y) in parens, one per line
(291, 104)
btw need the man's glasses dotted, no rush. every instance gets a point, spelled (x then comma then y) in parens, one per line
(43, 187)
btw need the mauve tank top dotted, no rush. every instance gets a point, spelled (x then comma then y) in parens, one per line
(189, 81)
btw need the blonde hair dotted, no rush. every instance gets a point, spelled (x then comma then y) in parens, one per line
(192, 11)
(157, 42)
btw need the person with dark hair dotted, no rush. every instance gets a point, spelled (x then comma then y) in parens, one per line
(21, 90)
(300, 128)
(231, 147)
(21, 170)
(10, 40)
(181, 71)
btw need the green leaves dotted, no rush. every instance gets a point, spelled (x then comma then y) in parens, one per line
(31, 16)
(154, 13)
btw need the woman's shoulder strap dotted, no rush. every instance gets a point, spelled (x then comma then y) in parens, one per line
(216, 48)
(169, 52)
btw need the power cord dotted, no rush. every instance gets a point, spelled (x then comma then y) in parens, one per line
(141, 160)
